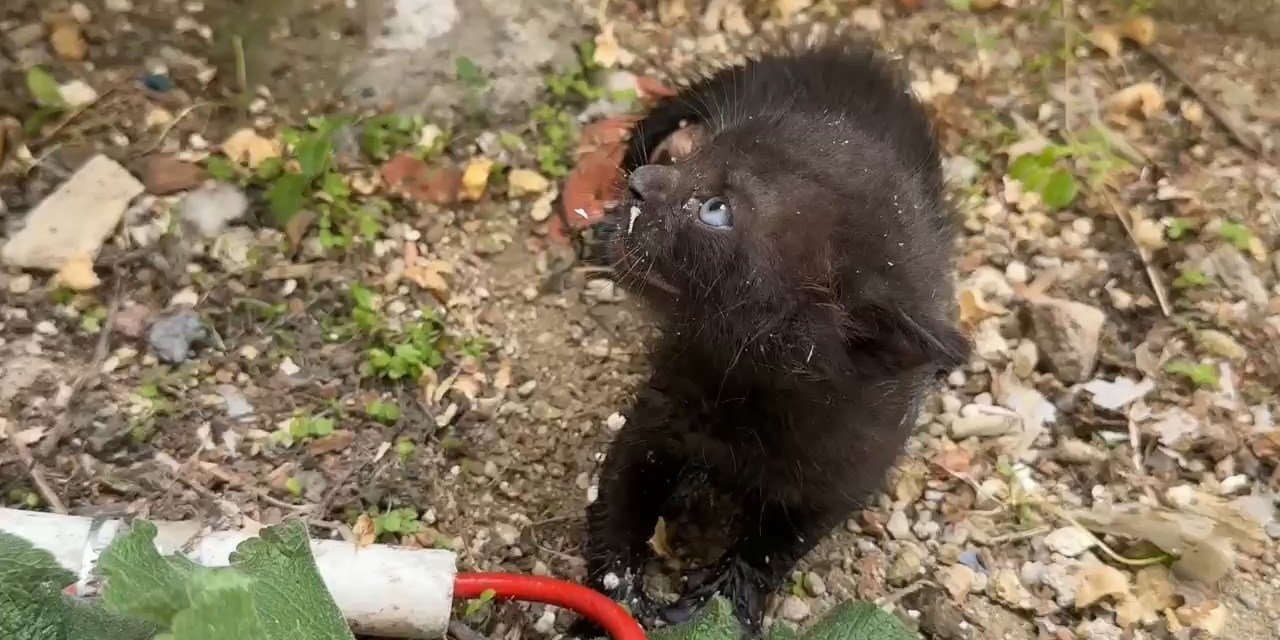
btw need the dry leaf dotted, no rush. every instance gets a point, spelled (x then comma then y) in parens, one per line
(523, 182)
(1107, 38)
(1099, 581)
(1201, 531)
(788, 8)
(671, 12)
(77, 274)
(502, 379)
(475, 177)
(1209, 616)
(973, 309)
(1144, 98)
(250, 149)
(1139, 29)
(364, 531)
(658, 541)
(427, 274)
(608, 52)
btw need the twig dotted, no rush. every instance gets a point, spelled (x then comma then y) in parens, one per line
(75, 113)
(463, 632)
(36, 471)
(1210, 105)
(168, 128)
(1112, 553)
(60, 430)
(1019, 535)
(1153, 275)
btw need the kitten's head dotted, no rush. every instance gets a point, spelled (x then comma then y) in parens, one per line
(796, 245)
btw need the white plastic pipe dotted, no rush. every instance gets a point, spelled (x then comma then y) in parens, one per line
(387, 591)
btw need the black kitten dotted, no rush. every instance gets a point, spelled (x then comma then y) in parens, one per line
(799, 256)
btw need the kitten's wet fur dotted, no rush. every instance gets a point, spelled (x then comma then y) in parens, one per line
(798, 343)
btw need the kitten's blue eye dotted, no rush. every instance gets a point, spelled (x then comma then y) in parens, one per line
(715, 212)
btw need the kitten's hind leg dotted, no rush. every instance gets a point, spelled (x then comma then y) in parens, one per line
(764, 554)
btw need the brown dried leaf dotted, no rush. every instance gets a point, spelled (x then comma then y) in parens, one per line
(250, 149)
(1107, 38)
(658, 541)
(364, 531)
(1209, 616)
(1143, 98)
(1099, 581)
(475, 177)
(502, 379)
(973, 309)
(77, 274)
(1139, 29)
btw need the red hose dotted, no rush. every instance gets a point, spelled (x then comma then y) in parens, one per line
(587, 602)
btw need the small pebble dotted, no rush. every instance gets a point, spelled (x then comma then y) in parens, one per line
(794, 608)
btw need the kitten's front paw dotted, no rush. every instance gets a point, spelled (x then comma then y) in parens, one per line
(744, 586)
(626, 587)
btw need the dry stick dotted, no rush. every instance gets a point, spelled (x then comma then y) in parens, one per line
(36, 471)
(76, 113)
(1157, 282)
(59, 431)
(1215, 111)
(186, 111)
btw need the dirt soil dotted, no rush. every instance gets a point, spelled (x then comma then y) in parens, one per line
(491, 427)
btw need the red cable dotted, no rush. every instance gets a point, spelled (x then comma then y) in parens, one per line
(587, 602)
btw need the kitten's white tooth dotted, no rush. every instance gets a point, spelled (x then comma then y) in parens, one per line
(635, 213)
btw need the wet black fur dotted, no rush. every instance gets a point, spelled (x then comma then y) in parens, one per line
(796, 346)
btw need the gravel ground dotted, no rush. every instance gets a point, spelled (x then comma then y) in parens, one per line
(1121, 291)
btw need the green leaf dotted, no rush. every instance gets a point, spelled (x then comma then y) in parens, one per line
(1177, 228)
(220, 168)
(140, 582)
(715, 622)
(222, 606)
(1199, 374)
(287, 589)
(293, 486)
(1025, 167)
(469, 73)
(1237, 234)
(44, 88)
(314, 153)
(1060, 189)
(858, 621)
(958, 5)
(1191, 278)
(21, 563)
(286, 196)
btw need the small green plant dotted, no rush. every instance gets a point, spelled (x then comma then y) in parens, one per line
(1191, 279)
(1199, 374)
(1178, 228)
(475, 348)
(383, 136)
(409, 354)
(405, 449)
(294, 486)
(47, 95)
(553, 122)
(91, 320)
(1238, 235)
(1041, 174)
(402, 521)
(302, 428)
(478, 609)
(384, 412)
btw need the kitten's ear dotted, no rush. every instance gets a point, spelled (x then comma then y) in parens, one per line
(910, 340)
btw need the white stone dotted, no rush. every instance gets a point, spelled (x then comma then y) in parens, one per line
(1070, 541)
(76, 218)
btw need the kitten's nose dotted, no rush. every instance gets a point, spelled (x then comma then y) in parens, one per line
(652, 181)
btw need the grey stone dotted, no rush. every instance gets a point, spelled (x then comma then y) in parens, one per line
(414, 46)
(171, 337)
